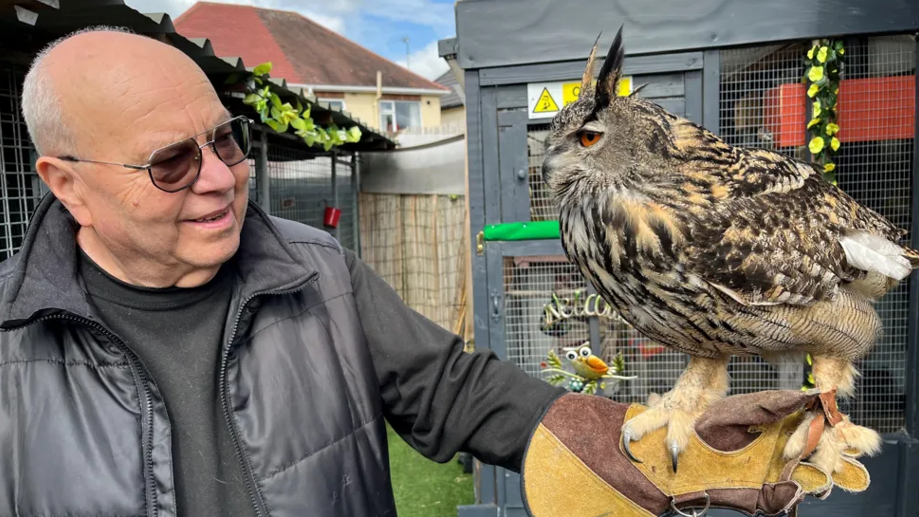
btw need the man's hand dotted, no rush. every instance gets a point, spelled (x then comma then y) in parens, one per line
(574, 465)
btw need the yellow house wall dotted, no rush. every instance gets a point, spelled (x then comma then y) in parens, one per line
(430, 111)
(364, 107)
(453, 116)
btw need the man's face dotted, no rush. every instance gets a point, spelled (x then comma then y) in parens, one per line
(152, 102)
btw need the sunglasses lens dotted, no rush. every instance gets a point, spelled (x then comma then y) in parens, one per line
(231, 141)
(176, 166)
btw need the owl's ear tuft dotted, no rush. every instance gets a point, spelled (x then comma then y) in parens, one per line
(610, 73)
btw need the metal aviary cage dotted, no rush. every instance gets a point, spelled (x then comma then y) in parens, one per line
(746, 86)
(20, 189)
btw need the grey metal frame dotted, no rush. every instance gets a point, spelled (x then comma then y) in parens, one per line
(495, 97)
(512, 32)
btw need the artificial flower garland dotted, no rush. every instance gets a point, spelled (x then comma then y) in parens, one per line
(823, 63)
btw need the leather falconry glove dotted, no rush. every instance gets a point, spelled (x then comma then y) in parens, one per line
(574, 465)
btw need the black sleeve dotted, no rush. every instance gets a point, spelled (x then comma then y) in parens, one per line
(439, 398)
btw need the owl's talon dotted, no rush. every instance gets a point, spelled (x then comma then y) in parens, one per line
(674, 455)
(626, 438)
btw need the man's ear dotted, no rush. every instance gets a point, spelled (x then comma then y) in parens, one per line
(64, 183)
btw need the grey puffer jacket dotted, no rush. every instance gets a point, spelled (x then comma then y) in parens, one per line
(319, 351)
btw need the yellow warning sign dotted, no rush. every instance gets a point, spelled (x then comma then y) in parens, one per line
(570, 92)
(624, 88)
(546, 103)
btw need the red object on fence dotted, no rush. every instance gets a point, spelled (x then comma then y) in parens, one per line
(331, 217)
(872, 109)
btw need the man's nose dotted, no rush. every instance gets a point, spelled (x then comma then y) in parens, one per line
(215, 175)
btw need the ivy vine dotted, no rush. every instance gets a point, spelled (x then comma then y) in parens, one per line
(823, 63)
(282, 116)
(822, 76)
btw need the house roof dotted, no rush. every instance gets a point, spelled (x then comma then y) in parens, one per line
(448, 79)
(301, 51)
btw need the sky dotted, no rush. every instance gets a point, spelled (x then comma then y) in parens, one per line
(379, 25)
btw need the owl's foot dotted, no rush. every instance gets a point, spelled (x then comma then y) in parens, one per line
(840, 436)
(838, 440)
(702, 383)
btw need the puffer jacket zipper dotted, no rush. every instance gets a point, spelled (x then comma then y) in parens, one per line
(144, 388)
(255, 495)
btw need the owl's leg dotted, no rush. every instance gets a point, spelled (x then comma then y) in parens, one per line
(704, 382)
(838, 438)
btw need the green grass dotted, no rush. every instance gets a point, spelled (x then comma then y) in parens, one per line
(424, 488)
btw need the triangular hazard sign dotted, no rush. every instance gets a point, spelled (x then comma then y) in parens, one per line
(546, 103)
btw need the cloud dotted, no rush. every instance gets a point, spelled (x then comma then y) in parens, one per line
(426, 62)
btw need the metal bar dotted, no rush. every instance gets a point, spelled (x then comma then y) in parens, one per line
(476, 193)
(356, 202)
(512, 157)
(912, 332)
(337, 231)
(262, 180)
(490, 161)
(711, 94)
(545, 72)
(531, 248)
(692, 93)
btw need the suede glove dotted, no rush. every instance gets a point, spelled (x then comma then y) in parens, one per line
(574, 465)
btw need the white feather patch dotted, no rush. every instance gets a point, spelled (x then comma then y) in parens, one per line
(870, 252)
(739, 298)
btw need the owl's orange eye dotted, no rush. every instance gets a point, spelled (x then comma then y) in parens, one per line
(589, 138)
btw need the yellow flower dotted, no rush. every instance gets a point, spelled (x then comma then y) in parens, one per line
(841, 51)
(834, 143)
(813, 123)
(829, 167)
(836, 91)
(810, 53)
(816, 109)
(832, 129)
(815, 74)
(813, 91)
(821, 55)
(816, 145)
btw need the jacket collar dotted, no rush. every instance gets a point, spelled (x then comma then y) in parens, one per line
(43, 278)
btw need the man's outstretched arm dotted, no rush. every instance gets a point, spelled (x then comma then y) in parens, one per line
(439, 398)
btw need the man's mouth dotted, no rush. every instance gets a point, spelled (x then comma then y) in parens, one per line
(212, 217)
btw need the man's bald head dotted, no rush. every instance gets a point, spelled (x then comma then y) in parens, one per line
(78, 83)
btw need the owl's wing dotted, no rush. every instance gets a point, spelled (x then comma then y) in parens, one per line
(775, 232)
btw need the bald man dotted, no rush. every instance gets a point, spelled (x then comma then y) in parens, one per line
(168, 349)
(177, 351)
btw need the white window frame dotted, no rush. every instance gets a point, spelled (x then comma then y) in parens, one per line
(342, 101)
(388, 107)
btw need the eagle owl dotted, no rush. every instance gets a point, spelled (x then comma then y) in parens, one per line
(716, 250)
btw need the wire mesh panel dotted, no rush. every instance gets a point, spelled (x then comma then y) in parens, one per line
(762, 100)
(539, 288)
(763, 104)
(20, 188)
(874, 166)
(301, 185)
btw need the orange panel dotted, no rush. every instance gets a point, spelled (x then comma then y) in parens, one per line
(882, 108)
(784, 114)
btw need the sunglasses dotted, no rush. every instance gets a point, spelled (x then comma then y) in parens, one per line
(178, 166)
